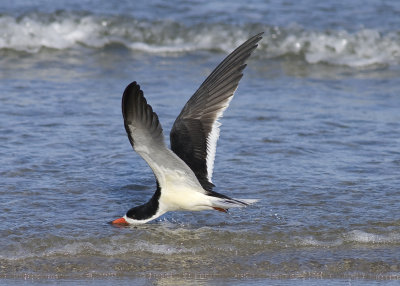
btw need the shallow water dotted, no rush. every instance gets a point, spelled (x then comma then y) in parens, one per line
(313, 132)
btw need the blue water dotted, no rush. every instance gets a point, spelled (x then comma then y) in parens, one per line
(313, 132)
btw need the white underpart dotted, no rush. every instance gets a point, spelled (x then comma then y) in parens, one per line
(181, 198)
(213, 138)
(178, 193)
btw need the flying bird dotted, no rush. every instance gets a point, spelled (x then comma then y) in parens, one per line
(184, 172)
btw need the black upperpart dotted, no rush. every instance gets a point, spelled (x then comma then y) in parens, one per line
(182, 136)
(190, 134)
(146, 210)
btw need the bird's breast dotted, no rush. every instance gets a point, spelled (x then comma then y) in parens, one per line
(178, 197)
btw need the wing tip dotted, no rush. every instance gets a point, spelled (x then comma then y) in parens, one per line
(133, 86)
(136, 111)
(257, 36)
(255, 41)
(129, 89)
(133, 83)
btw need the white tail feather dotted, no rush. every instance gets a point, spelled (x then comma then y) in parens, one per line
(233, 203)
(248, 201)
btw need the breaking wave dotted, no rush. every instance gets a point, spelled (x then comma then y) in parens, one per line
(67, 30)
(353, 237)
(353, 253)
(122, 245)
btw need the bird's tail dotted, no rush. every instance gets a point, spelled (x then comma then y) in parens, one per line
(223, 204)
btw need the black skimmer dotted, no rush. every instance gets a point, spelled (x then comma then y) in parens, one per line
(183, 173)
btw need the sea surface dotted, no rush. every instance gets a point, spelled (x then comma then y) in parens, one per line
(313, 132)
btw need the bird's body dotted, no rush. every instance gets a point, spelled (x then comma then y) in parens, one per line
(184, 172)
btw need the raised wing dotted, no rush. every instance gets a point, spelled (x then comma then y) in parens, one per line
(146, 136)
(195, 132)
(141, 123)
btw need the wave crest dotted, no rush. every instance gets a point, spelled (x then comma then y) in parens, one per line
(64, 30)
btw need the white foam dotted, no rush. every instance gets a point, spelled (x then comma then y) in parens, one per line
(311, 241)
(32, 33)
(64, 30)
(366, 237)
(162, 248)
(156, 49)
(114, 246)
(364, 48)
(354, 236)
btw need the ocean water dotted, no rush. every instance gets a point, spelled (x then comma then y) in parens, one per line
(313, 132)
